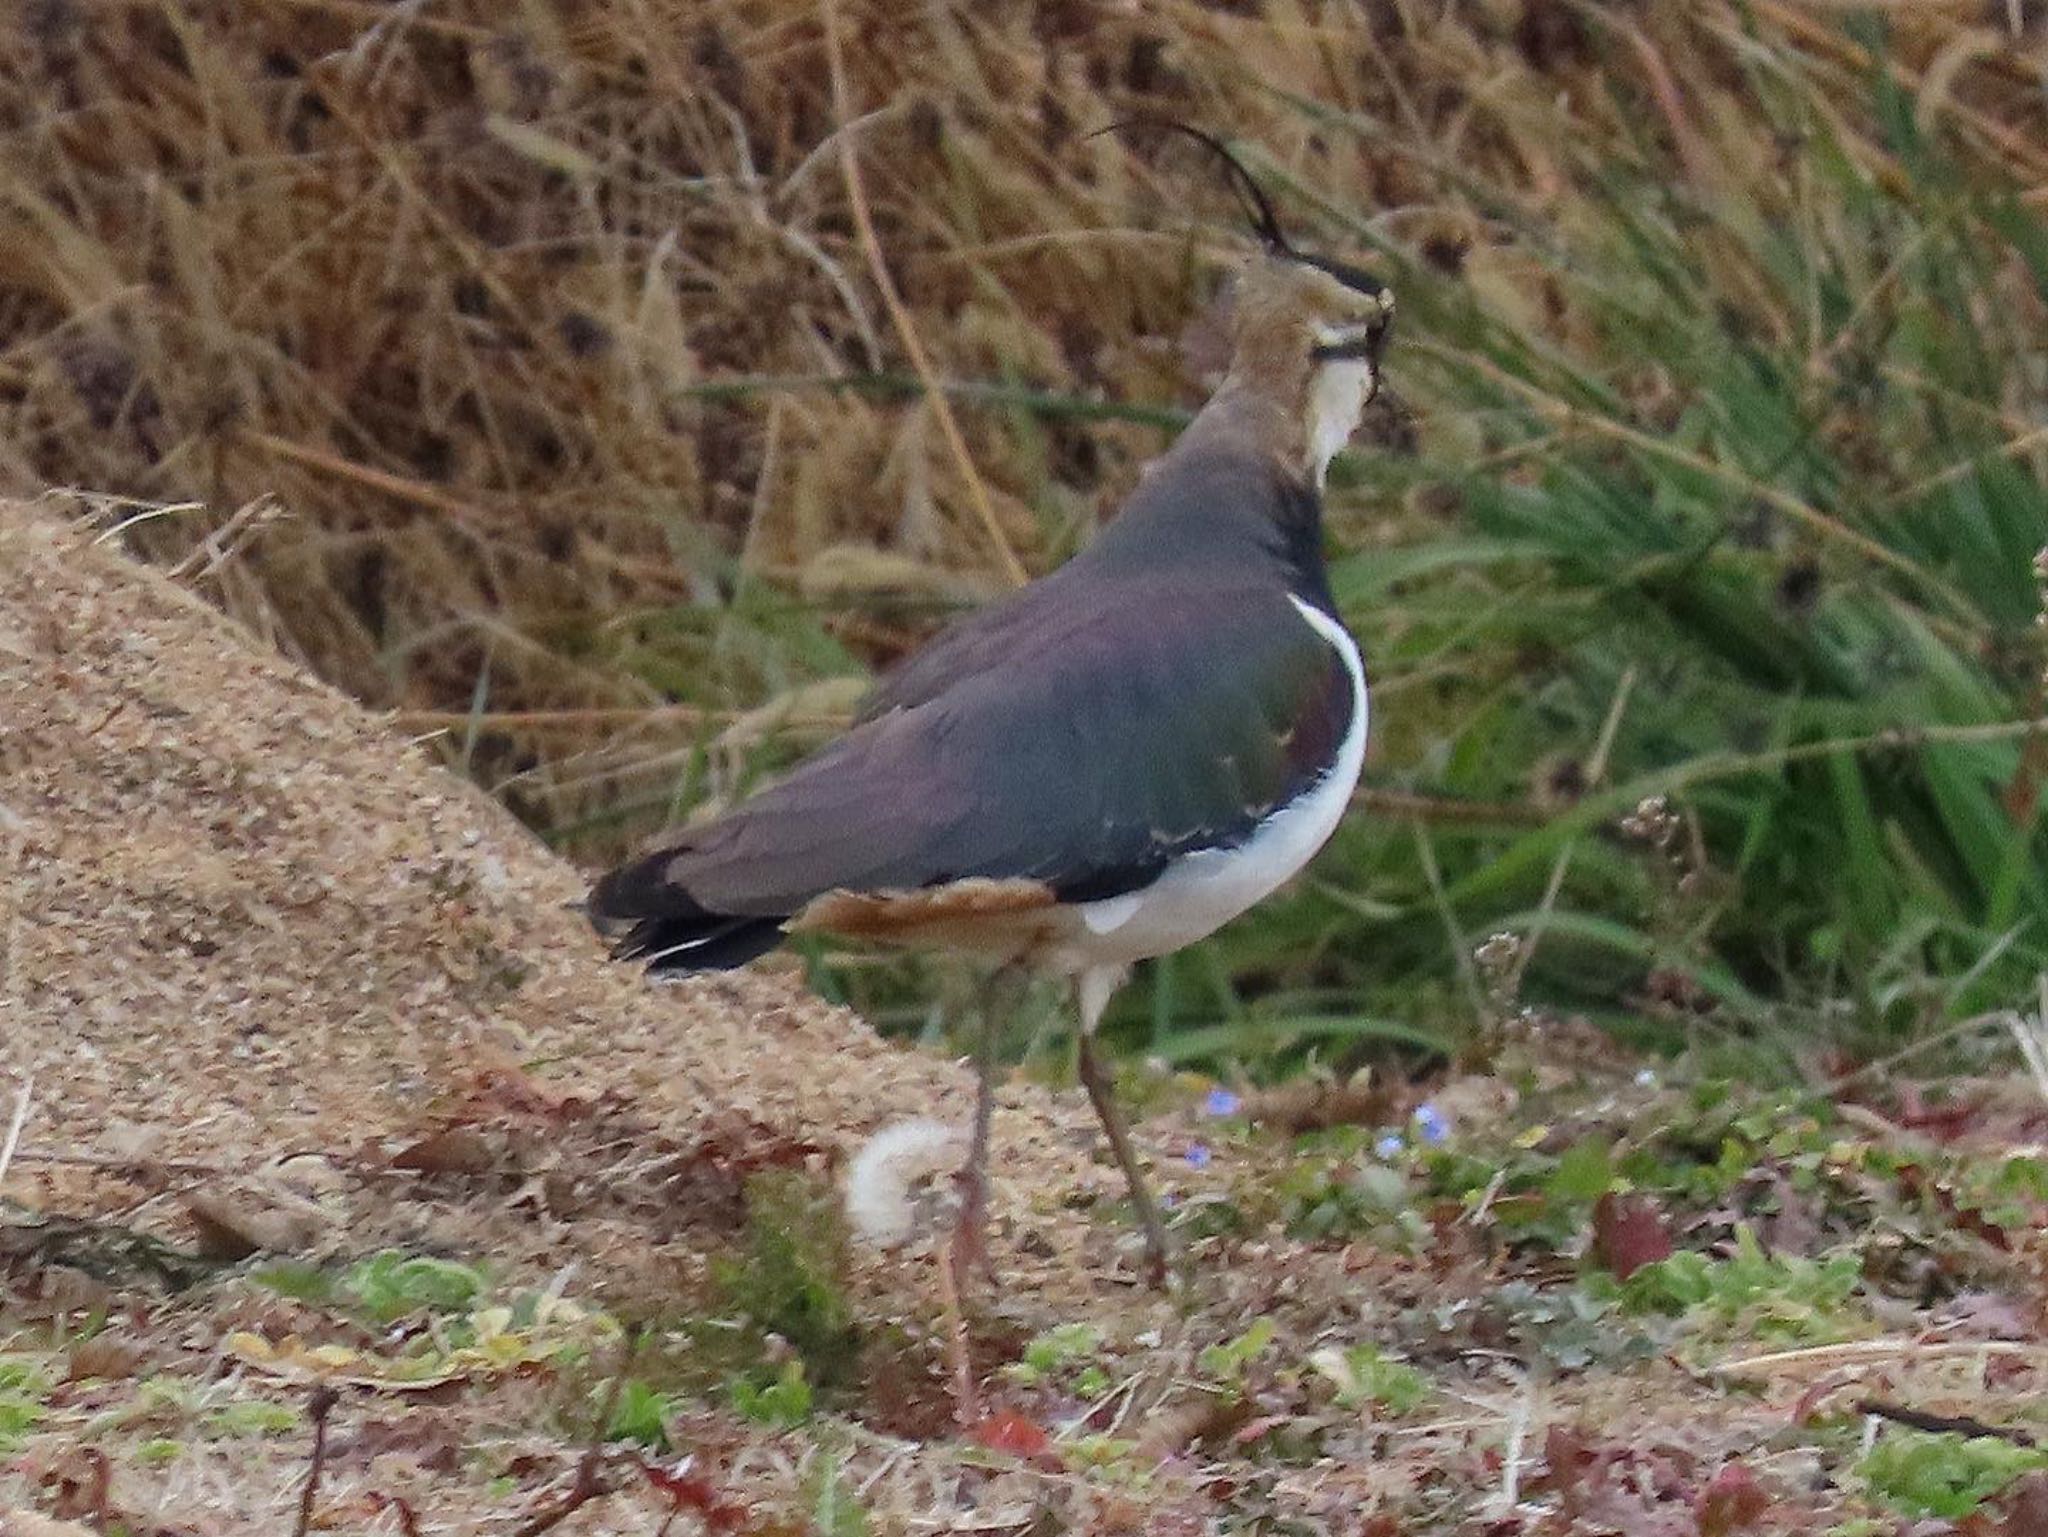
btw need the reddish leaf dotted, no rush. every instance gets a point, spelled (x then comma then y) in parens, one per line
(1732, 1502)
(1258, 1429)
(1628, 1233)
(1945, 1122)
(1809, 1402)
(2026, 1507)
(1008, 1431)
(408, 1518)
(696, 1493)
(454, 1150)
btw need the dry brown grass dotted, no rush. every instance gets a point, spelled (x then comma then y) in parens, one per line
(544, 323)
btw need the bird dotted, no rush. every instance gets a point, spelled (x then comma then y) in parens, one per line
(1106, 764)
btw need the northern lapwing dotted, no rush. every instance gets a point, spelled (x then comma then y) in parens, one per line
(1107, 764)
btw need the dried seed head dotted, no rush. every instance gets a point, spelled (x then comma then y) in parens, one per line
(1496, 958)
(1652, 822)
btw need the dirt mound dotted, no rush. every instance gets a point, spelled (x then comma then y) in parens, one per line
(271, 980)
(244, 922)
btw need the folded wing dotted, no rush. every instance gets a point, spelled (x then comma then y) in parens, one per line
(1082, 750)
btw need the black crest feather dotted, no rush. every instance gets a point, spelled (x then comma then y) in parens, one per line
(1258, 208)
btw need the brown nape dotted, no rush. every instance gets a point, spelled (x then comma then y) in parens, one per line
(1279, 304)
(1263, 401)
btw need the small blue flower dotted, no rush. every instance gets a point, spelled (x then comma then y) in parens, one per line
(1197, 1155)
(1646, 1079)
(1390, 1145)
(1432, 1125)
(1222, 1102)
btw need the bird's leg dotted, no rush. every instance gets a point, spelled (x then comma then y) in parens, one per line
(1100, 1082)
(970, 1236)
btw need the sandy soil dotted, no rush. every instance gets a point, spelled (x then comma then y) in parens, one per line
(244, 920)
(256, 945)
(272, 981)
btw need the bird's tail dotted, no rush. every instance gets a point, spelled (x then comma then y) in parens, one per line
(647, 917)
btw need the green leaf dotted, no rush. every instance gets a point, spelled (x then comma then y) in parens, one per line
(1584, 1173)
(1944, 1475)
(783, 1402)
(640, 1414)
(1226, 1362)
(1363, 1374)
(390, 1285)
(834, 1510)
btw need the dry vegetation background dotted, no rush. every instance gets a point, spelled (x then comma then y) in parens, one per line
(531, 361)
(605, 387)
(535, 367)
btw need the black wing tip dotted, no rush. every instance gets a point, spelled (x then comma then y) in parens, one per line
(679, 946)
(648, 918)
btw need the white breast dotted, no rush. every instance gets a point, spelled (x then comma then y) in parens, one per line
(1200, 893)
(1336, 404)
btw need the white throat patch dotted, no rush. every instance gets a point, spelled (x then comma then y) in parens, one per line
(1336, 405)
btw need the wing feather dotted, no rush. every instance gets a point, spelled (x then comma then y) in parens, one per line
(1162, 726)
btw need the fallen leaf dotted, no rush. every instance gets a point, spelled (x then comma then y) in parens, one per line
(108, 1354)
(2026, 1507)
(1317, 1106)
(1732, 1501)
(1008, 1431)
(235, 1225)
(453, 1150)
(688, 1490)
(1628, 1233)
(80, 1484)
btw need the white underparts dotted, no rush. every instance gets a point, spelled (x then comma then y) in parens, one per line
(1201, 892)
(1336, 404)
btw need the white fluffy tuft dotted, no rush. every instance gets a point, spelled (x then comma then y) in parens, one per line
(892, 1184)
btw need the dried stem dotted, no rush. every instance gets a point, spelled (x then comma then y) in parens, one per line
(318, 1408)
(906, 331)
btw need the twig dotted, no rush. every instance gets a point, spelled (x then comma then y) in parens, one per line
(1878, 1350)
(149, 514)
(408, 1518)
(920, 361)
(1460, 947)
(1596, 770)
(138, 1161)
(1420, 807)
(229, 540)
(588, 1485)
(966, 1400)
(317, 1408)
(22, 1100)
(1942, 1424)
(1512, 1460)
(1882, 1067)
(398, 487)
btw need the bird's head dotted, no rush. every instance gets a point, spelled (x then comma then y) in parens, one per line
(1306, 331)
(1306, 337)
